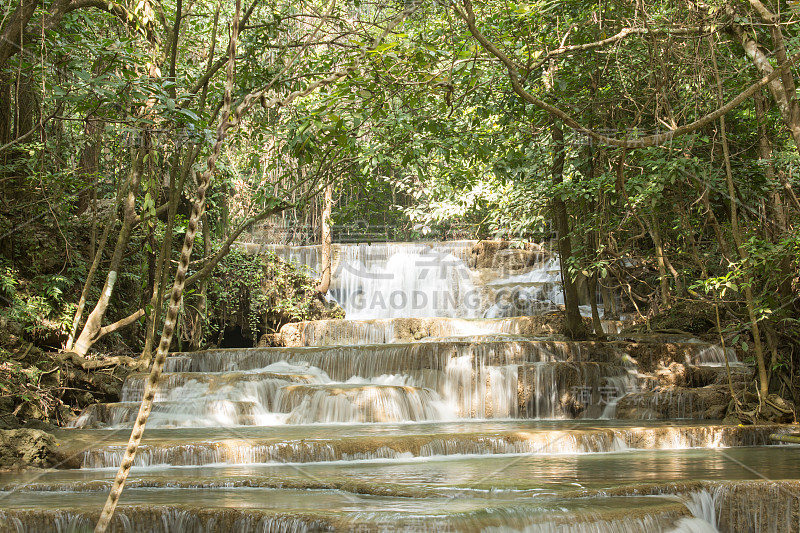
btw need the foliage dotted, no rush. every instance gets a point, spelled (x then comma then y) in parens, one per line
(423, 138)
(259, 293)
(38, 305)
(33, 389)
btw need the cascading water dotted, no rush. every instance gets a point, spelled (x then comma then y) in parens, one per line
(399, 280)
(419, 415)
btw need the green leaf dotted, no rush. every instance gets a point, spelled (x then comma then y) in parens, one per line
(189, 113)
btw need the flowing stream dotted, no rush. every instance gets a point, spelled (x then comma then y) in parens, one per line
(441, 404)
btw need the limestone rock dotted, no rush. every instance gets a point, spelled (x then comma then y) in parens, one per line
(707, 403)
(333, 332)
(22, 448)
(269, 340)
(9, 421)
(500, 256)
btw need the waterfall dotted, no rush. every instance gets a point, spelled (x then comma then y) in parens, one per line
(400, 280)
(447, 401)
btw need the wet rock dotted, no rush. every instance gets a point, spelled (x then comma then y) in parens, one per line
(655, 354)
(706, 403)
(324, 309)
(22, 448)
(337, 332)
(758, 506)
(701, 376)
(568, 389)
(673, 375)
(42, 425)
(9, 421)
(31, 410)
(777, 410)
(86, 388)
(291, 334)
(500, 256)
(269, 340)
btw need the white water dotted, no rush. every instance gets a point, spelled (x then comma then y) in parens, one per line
(401, 280)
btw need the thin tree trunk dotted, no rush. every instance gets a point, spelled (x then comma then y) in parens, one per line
(202, 298)
(161, 277)
(597, 323)
(325, 280)
(177, 291)
(94, 321)
(573, 323)
(208, 267)
(610, 310)
(6, 112)
(11, 39)
(777, 222)
(689, 232)
(787, 105)
(87, 285)
(776, 207)
(722, 241)
(763, 378)
(663, 280)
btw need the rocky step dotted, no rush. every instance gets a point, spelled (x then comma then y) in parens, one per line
(564, 390)
(192, 413)
(730, 506)
(556, 474)
(343, 362)
(704, 403)
(356, 403)
(465, 388)
(393, 330)
(267, 445)
(185, 386)
(565, 476)
(293, 510)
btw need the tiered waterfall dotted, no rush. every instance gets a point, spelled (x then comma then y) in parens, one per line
(446, 402)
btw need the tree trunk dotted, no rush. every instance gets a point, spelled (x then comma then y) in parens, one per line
(11, 39)
(94, 321)
(6, 111)
(763, 378)
(162, 267)
(574, 327)
(597, 323)
(610, 310)
(325, 280)
(722, 241)
(662, 265)
(202, 298)
(26, 108)
(176, 295)
(787, 105)
(89, 160)
(98, 255)
(775, 207)
(689, 233)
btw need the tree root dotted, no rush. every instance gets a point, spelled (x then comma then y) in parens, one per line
(94, 364)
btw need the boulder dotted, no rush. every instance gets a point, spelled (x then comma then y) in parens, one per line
(23, 448)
